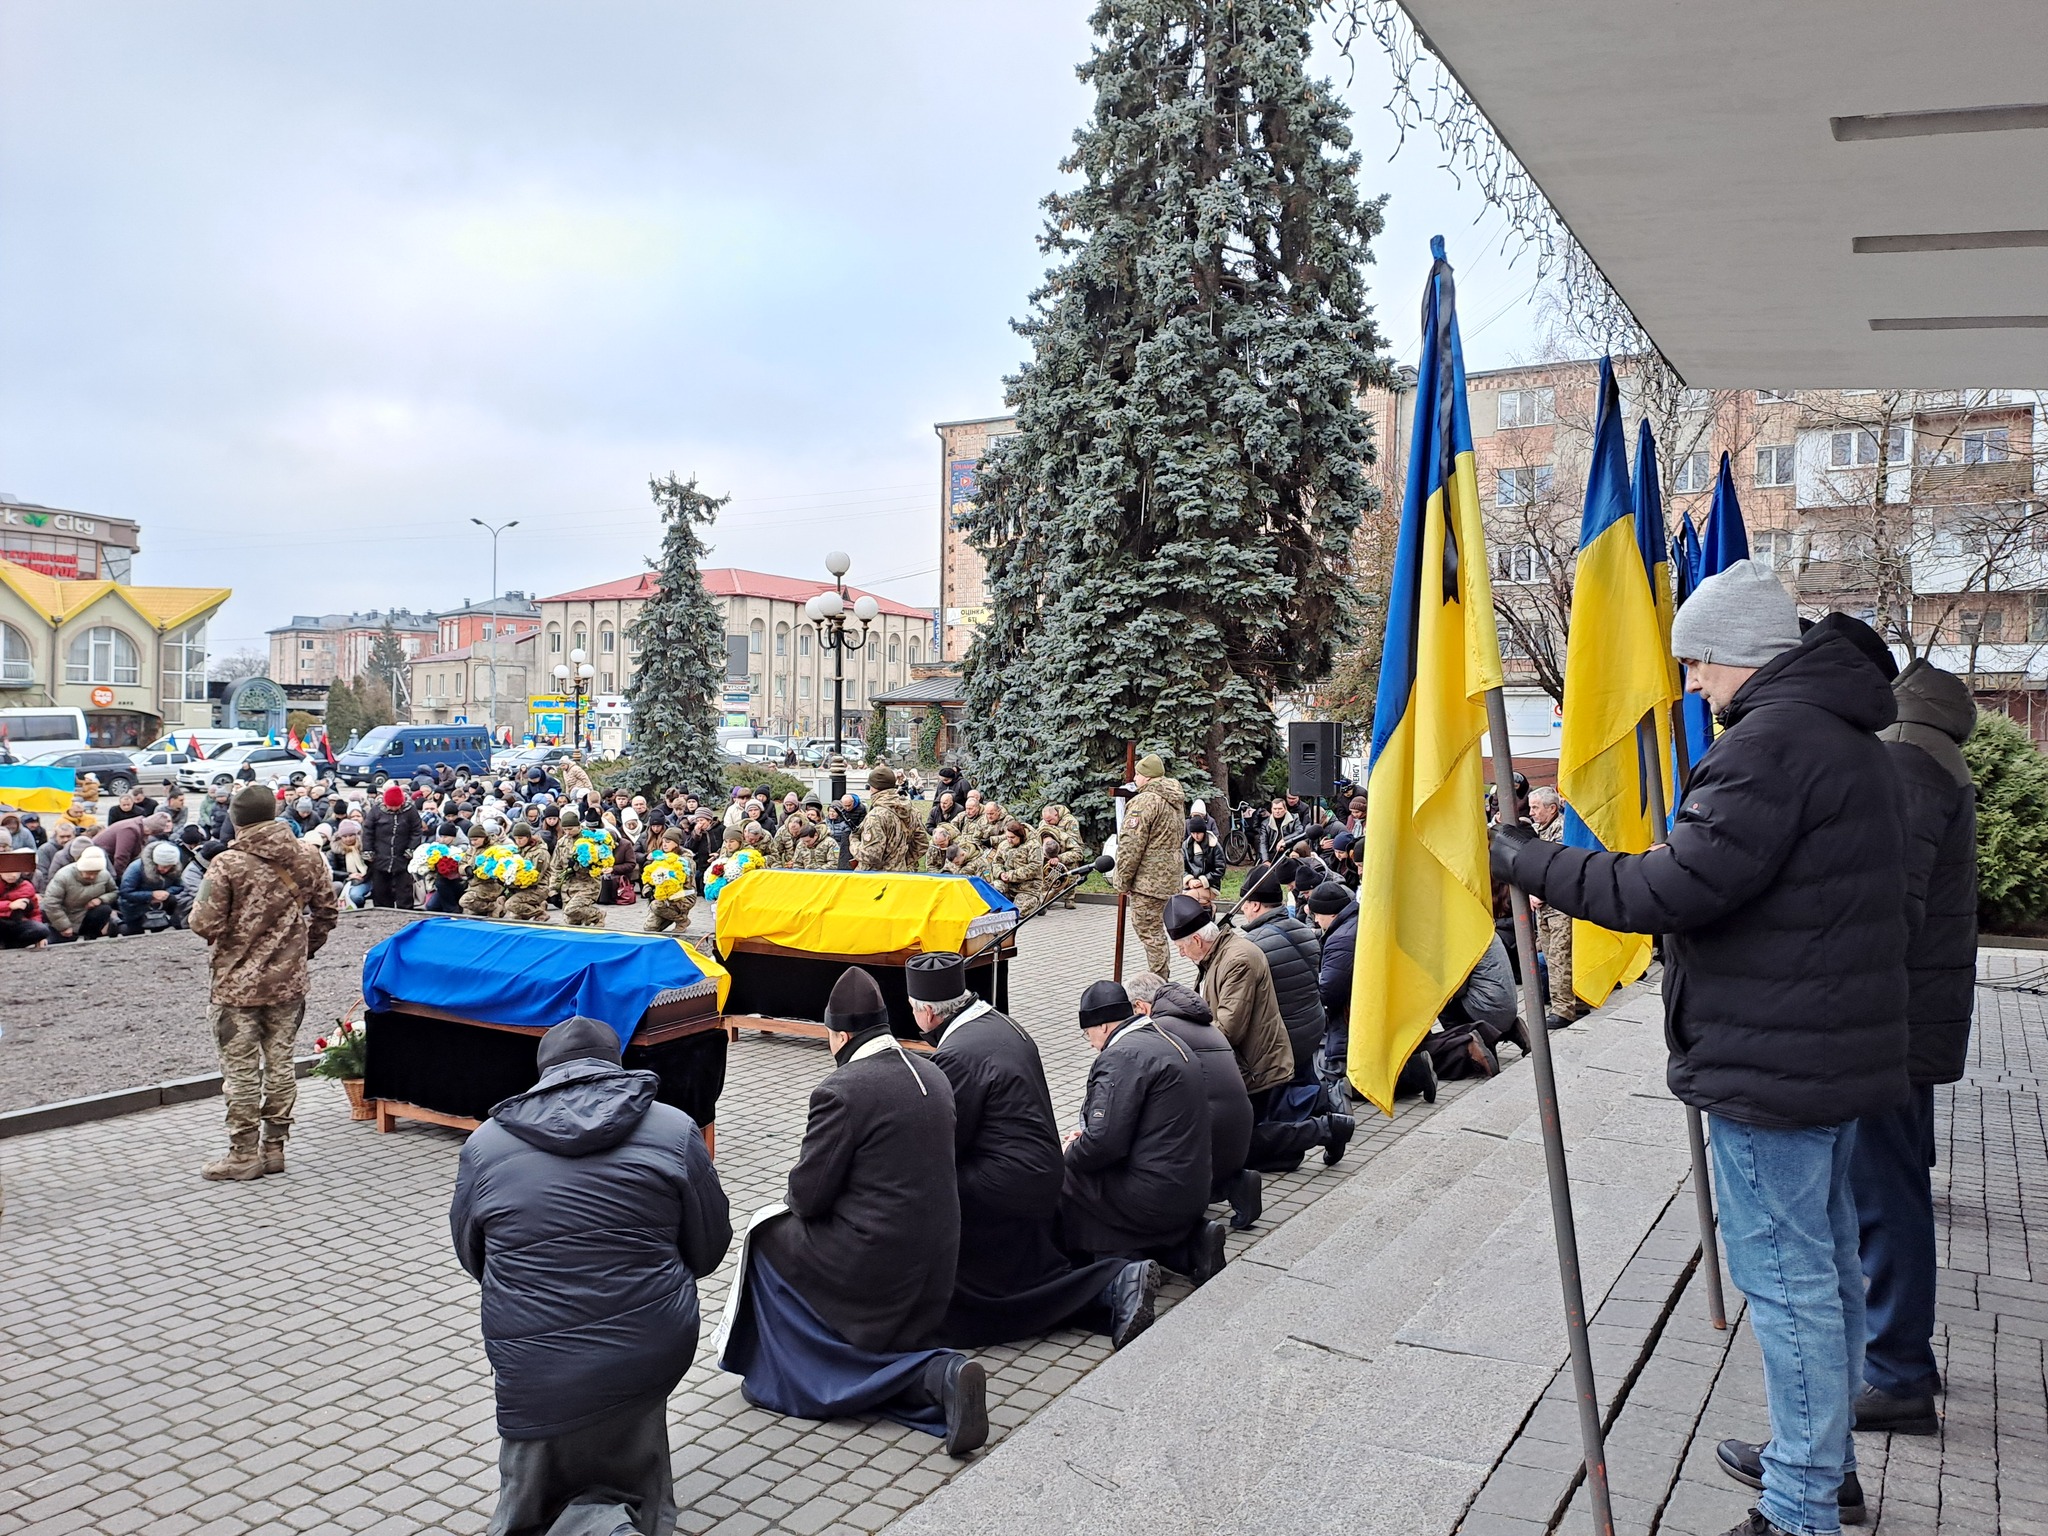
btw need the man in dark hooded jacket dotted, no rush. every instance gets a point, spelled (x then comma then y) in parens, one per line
(1782, 898)
(1183, 1015)
(1333, 908)
(846, 1291)
(1293, 959)
(1013, 1282)
(1895, 1148)
(589, 1211)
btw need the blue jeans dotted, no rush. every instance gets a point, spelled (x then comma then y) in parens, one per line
(1895, 1208)
(1788, 1226)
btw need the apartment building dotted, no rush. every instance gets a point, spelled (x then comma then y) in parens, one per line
(318, 649)
(963, 597)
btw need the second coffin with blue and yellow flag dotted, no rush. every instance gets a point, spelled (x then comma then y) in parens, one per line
(32, 787)
(1617, 669)
(1425, 887)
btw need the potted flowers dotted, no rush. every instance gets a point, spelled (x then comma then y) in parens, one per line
(341, 1058)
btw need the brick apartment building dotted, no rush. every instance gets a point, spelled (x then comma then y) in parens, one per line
(318, 649)
(962, 596)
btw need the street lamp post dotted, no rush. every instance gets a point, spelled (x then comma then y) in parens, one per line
(828, 613)
(575, 675)
(493, 662)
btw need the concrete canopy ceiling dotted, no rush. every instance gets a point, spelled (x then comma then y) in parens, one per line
(1689, 144)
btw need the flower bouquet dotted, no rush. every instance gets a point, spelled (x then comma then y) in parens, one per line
(519, 872)
(727, 870)
(342, 1056)
(439, 859)
(593, 851)
(495, 862)
(666, 876)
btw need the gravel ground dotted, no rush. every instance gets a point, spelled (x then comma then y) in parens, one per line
(80, 1019)
(125, 1013)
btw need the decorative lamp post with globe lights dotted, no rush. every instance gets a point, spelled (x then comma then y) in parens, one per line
(830, 615)
(574, 675)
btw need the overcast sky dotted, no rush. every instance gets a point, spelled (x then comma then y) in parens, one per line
(303, 288)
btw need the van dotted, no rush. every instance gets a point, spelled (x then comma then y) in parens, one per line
(37, 735)
(400, 751)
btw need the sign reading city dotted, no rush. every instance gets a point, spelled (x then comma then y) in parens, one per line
(57, 522)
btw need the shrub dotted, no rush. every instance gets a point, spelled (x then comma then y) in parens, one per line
(2012, 823)
(753, 776)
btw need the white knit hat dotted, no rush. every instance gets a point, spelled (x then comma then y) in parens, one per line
(1740, 617)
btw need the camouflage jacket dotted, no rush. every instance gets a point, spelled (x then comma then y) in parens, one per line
(562, 866)
(265, 908)
(891, 837)
(1019, 873)
(822, 854)
(1072, 850)
(1148, 846)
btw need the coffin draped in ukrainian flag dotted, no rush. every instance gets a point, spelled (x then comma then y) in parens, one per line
(32, 787)
(456, 1007)
(788, 934)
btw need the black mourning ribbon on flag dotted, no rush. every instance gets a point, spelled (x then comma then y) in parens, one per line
(1446, 395)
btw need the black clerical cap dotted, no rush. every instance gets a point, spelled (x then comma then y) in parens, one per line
(573, 1039)
(935, 978)
(1267, 884)
(1105, 1002)
(1185, 915)
(856, 1003)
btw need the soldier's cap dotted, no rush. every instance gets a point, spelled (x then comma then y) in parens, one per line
(252, 803)
(1185, 915)
(571, 819)
(881, 778)
(1152, 766)
(855, 1005)
(521, 829)
(935, 978)
(575, 1039)
(1105, 1002)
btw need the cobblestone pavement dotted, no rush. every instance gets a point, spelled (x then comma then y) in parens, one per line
(301, 1353)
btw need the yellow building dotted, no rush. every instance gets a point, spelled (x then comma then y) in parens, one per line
(132, 658)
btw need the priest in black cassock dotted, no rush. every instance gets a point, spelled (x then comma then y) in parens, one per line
(1137, 1175)
(845, 1292)
(1013, 1281)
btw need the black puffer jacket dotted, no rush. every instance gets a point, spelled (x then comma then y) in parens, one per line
(1295, 958)
(389, 836)
(1184, 1016)
(589, 1212)
(1936, 713)
(1782, 892)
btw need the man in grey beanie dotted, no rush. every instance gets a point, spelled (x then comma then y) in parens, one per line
(1782, 898)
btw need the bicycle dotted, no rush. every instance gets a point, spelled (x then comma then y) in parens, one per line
(1237, 843)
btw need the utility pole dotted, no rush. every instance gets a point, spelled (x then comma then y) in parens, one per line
(492, 663)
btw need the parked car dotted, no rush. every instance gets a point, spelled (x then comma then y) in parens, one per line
(157, 765)
(765, 751)
(400, 751)
(516, 760)
(116, 771)
(271, 765)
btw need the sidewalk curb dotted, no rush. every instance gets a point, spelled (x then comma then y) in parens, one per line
(123, 1101)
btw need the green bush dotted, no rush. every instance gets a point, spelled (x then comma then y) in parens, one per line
(753, 776)
(931, 730)
(2012, 823)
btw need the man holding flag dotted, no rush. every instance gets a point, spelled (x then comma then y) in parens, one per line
(1781, 892)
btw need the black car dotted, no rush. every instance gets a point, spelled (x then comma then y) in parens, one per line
(114, 770)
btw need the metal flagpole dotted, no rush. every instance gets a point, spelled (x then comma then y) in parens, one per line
(1562, 1224)
(1695, 1126)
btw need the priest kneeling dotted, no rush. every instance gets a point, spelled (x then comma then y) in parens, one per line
(845, 1291)
(1013, 1280)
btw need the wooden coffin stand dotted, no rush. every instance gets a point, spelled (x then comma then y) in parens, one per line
(781, 991)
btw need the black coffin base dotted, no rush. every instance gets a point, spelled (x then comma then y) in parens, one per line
(784, 986)
(463, 1069)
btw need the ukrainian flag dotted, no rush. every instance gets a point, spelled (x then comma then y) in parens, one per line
(1617, 669)
(30, 788)
(1646, 501)
(1425, 882)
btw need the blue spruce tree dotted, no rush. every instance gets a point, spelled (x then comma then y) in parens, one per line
(681, 640)
(1168, 536)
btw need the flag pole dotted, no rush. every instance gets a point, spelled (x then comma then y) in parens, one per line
(1562, 1223)
(1695, 1126)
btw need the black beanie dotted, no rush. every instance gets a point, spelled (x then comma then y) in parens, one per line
(574, 1039)
(1105, 1002)
(1268, 884)
(855, 1004)
(1185, 915)
(1330, 898)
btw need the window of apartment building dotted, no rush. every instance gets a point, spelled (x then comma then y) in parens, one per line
(1774, 548)
(1511, 647)
(103, 655)
(781, 687)
(579, 639)
(757, 637)
(1857, 449)
(458, 687)
(1525, 407)
(607, 640)
(607, 682)
(1521, 487)
(1515, 562)
(1985, 626)
(1985, 447)
(1695, 472)
(2037, 622)
(488, 631)
(1774, 397)
(1774, 465)
(185, 663)
(803, 687)
(803, 642)
(916, 650)
(782, 640)
(1695, 399)
(15, 665)
(305, 645)
(895, 649)
(554, 640)
(995, 440)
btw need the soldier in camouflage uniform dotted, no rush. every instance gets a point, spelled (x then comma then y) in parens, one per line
(483, 897)
(1554, 928)
(1017, 869)
(755, 836)
(892, 836)
(674, 910)
(1148, 868)
(264, 909)
(1056, 825)
(527, 903)
(576, 884)
(811, 848)
(938, 856)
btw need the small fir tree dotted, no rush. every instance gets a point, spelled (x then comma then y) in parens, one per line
(2012, 823)
(386, 667)
(681, 640)
(1168, 536)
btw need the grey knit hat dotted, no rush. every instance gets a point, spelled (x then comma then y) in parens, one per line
(1740, 617)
